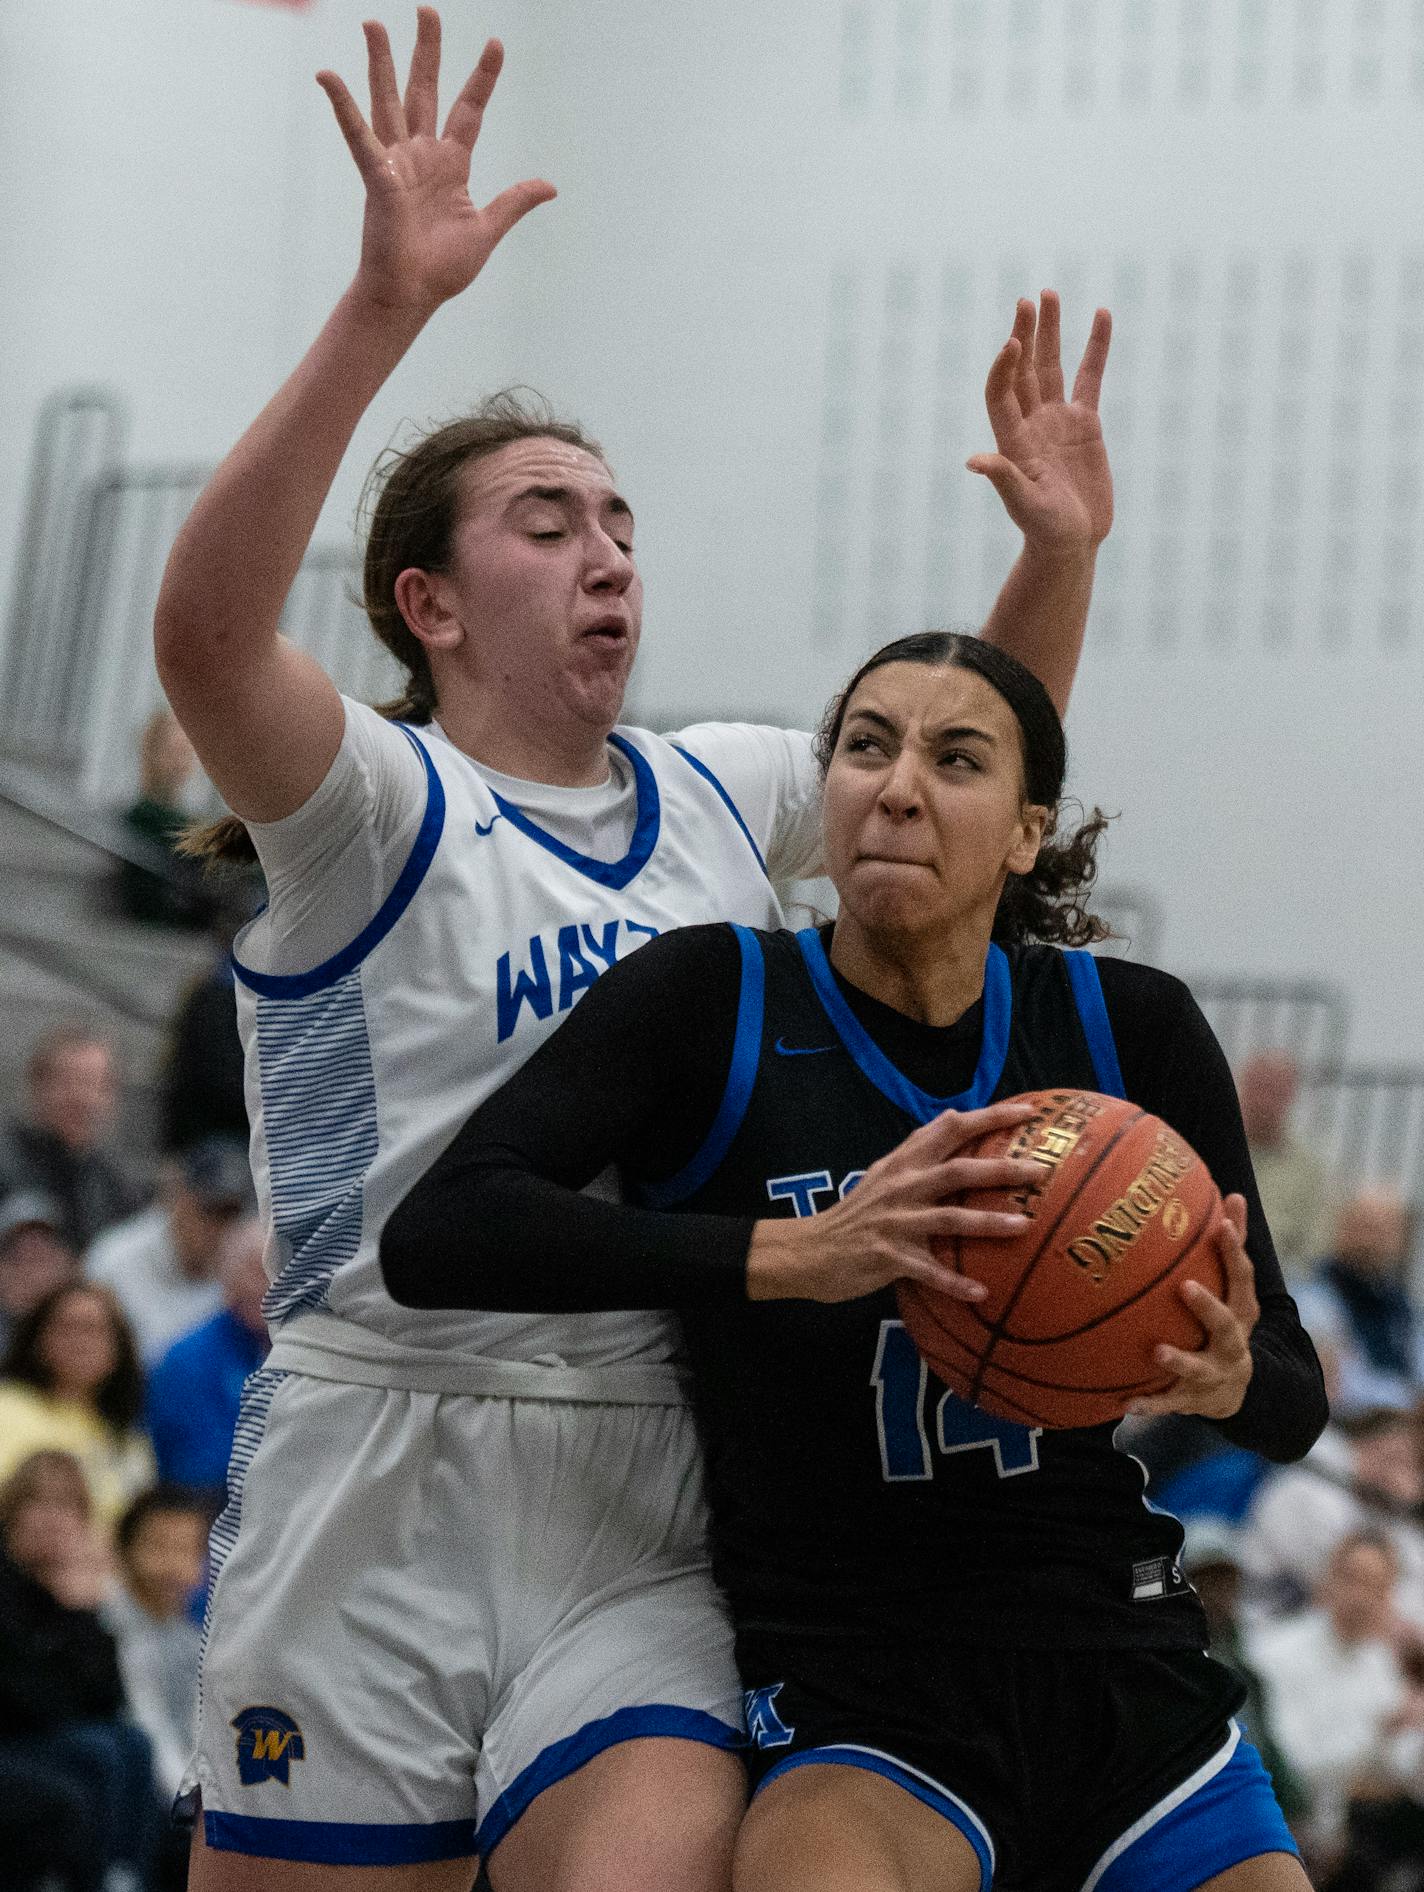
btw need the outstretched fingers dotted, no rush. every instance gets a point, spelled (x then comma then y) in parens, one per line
(1047, 347)
(422, 88)
(1026, 377)
(468, 111)
(1088, 383)
(941, 1278)
(504, 211)
(954, 1128)
(1001, 392)
(1240, 1274)
(387, 112)
(361, 141)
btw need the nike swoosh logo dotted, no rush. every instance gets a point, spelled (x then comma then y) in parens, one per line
(800, 1051)
(484, 831)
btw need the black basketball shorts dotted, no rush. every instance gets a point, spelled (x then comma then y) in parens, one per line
(1090, 1771)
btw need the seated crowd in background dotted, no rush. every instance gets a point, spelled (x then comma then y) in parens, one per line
(130, 1318)
(1312, 1575)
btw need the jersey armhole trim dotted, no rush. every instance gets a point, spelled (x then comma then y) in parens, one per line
(1084, 978)
(300, 985)
(737, 1092)
(695, 762)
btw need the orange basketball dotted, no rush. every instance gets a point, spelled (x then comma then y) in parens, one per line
(1125, 1214)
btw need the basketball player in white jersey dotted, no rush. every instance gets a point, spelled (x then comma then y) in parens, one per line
(461, 1602)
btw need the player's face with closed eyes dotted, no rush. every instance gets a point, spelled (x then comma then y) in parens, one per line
(924, 802)
(542, 581)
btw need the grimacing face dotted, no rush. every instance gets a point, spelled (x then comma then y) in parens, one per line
(924, 813)
(542, 601)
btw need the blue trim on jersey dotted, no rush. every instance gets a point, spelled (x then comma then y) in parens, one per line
(1087, 986)
(1191, 1836)
(732, 808)
(613, 874)
(959, 1814)
(887, 1077)
(297, 985)
(565, 1757)
(736, 1093)
(339, 1842)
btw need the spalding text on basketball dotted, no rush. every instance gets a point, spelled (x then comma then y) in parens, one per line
(1115, 1232)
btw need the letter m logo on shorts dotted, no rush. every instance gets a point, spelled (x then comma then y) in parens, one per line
(267, 1743)
(765, 1728)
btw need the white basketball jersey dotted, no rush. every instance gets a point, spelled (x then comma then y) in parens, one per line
(360, 1070)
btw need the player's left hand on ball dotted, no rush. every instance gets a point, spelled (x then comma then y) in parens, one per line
(1212, 1382)
(1051, 468)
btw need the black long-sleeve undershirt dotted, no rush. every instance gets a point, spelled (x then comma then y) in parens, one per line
(634, 1078)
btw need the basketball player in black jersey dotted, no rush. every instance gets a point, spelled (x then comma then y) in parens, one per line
(969, 1653)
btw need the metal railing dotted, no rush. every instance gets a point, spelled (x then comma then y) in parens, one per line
(78, 439)
(1135, 917)
(1366, 1125)
(79, 677)
(1309, 1018)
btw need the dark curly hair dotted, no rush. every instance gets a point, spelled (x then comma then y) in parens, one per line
(118, 1398)
(411, 501)
(1050, 902)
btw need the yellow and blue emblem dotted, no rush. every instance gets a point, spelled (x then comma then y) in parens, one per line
(268, 1741)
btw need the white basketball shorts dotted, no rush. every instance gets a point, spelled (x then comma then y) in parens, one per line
(428, 1607)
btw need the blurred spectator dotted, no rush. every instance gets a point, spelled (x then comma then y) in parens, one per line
(195, 1389)
(1362, 1476)
(201, 1087)
(177, 894)
(71, 1094)
(34, 1256)
(1291, 1178)
(70, 1381)
(1211, 1558)
(74, 1774)
(1348, 1719)
(1357, 1301)
(161, 1543)
(162, 1264)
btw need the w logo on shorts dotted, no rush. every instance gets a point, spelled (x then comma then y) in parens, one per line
(267, 1743)
(765, 1728)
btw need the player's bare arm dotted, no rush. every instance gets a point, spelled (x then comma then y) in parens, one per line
(264, 718)
(1050, 468)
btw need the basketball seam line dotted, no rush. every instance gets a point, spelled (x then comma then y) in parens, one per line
(1121, 1307)
(1053, 1386)
(997, 1328)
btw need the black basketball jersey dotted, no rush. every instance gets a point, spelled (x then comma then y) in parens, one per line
(887, 1499)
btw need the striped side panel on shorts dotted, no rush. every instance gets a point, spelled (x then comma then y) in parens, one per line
(319, 1116)
(257, 1392)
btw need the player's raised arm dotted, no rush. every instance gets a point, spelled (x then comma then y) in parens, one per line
(264, 718)
(1051, 471)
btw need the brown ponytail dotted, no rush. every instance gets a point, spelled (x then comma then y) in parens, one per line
(411, 502)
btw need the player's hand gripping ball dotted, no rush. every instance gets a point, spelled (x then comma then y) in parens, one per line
(1126, 1213)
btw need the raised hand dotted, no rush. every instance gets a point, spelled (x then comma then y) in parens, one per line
(885, 1229)
(1212, 1382)
(1051, 468)
(423, 239)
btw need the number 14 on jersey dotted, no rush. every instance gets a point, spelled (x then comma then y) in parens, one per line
(900, 1377)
